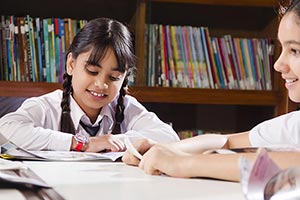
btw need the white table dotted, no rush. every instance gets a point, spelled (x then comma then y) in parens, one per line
(108, 180)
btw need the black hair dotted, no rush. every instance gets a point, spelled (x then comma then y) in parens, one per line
(99, 35)
(289, 6)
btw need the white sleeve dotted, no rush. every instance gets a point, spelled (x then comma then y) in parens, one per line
(142, 123)
(282, 130)
(32, 128)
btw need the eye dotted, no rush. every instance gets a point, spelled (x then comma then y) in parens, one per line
(295, 51)
(112, 78)
(90, 70)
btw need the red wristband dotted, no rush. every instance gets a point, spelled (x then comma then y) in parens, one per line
(79, 146)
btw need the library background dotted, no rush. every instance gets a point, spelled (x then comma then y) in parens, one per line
(202, 66)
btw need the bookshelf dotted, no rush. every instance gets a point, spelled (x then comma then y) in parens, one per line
(186, 108)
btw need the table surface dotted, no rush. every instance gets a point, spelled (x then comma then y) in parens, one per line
(115, 180)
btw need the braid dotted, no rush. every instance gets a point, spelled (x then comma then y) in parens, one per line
(66, 124)
(119, 116)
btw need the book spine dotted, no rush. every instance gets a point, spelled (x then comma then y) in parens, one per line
(179, 60)
(186, 57)
(28, 51)
(62, 46)
(192, 58)
(222, 52)
(195, 63)
(162, 56)
(170, 47)
(232, 61)
(157, 55)
(204, 72)
(46, 50)
(165, 54)
(219, 66)
(32, 49)
(16, 60)
(210, 69)
(5, 35)
(39, 48)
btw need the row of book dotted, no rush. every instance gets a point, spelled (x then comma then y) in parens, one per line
(186, 56)
(34, 49)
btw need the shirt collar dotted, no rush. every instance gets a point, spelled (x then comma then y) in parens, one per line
(78, 114)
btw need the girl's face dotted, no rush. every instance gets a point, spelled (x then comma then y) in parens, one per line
(288, 63)
(94, 85)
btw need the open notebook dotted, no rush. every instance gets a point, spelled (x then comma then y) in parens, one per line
(10, 150)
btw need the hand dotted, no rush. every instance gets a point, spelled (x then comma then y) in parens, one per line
(141, 145)
(107, 142)
(165, 159)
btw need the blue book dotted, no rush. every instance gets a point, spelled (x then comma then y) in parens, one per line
(218, 62)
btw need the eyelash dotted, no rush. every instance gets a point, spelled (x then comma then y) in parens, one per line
(114, 78)
(295, 51)
(91, 72)
(96, 73)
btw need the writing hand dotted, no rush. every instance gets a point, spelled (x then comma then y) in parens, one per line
(141, 146)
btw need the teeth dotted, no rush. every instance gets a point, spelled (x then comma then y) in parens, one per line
(96, 94)
(290, 80)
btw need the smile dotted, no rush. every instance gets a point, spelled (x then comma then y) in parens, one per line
(290, 80)
(97, 94)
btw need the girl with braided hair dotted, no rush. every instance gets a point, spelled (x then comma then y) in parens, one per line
(93, 111)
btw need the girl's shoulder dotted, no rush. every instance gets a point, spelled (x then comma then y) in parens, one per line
(128, 100)
(51, 99)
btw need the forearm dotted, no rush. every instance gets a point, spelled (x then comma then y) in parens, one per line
(285, 159)
(218, 166)
(29, 137)
(238, 140)
(209, 165)
(201, 143)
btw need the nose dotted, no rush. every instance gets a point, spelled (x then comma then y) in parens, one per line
(101, 83)
(281, 65)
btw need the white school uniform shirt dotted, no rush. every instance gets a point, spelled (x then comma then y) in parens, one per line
(280, 131)
(36, 124)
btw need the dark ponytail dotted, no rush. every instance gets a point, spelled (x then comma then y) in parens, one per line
(66, 123)
(119, 116)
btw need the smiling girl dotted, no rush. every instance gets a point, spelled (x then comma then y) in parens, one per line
(93, 109)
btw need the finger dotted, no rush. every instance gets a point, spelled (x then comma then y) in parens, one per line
(129, 159)
(141, 164)
(156, 172)
(120, 144)
(149, 169)
(114, 147)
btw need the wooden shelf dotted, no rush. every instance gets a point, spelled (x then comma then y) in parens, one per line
(260, 3)
(26, 89)
(160, 94)
(206, 96)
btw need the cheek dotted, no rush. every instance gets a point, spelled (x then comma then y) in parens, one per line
(295, 67)
(115, 86)
(79, 80)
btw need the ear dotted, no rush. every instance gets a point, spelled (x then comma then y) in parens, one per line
(70, 64)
